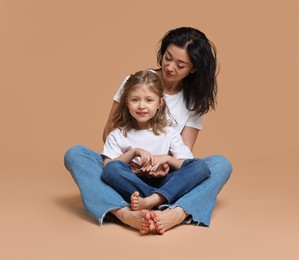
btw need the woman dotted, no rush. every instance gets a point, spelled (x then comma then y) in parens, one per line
(188, 69)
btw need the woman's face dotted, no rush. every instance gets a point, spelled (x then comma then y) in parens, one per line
(176, 64)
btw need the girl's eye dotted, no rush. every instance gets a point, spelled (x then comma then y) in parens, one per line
(181, 66)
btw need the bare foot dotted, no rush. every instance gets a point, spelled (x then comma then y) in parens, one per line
(140, 220)
(167, 219)
(135, 201)
(139, 203)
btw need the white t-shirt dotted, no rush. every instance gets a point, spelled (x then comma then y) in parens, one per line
(177, 108)
(171, 141)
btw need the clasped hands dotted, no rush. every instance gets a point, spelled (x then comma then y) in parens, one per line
(150, 165)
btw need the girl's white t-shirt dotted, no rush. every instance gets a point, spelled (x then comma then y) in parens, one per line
(177, 108)
(171, 141)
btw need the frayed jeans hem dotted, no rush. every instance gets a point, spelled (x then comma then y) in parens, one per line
(101, 220)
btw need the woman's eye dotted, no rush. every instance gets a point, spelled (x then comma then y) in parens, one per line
(181, 66)
(167, 58)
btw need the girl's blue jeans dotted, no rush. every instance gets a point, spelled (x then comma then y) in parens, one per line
(119, 176)
(99, 198)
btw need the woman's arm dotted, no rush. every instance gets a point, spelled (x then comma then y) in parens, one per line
(107, 129)
(189, 135)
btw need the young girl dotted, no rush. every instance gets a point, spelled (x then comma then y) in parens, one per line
(142, 142)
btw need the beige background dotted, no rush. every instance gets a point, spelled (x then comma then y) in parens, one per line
(60, 64)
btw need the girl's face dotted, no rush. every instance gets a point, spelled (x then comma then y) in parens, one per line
(143, 103)
(176, 64)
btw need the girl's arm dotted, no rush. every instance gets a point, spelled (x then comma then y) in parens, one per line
(161, 159)
(107, 126)
(127, 157)
(189, 135)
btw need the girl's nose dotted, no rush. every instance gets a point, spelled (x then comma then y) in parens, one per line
(141, 105)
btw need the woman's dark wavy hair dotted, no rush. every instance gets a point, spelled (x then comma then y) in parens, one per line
(199, 87)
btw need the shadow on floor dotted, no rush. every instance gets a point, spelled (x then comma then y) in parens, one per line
(73, 204)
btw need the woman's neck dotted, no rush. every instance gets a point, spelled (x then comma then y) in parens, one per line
(170, 88)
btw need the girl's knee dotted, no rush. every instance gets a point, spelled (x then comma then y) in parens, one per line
(113, 166)
(202, 166)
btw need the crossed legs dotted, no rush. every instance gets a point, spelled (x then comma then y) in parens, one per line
(142, 219)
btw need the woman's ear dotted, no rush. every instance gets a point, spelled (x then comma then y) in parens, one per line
(193, 70)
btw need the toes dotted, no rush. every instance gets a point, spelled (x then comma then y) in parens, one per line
(153, 215)
(147, 215)
(135, 194)
(146, 223)
(135, 200)
(144, 231)
(158, 226)
(160, 230)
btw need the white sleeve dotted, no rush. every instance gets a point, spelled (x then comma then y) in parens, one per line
(177, 147)
(119, 91)
(195, 121)
(111, 148)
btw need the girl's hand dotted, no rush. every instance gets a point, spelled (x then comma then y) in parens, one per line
(145, 158)
(159, 160)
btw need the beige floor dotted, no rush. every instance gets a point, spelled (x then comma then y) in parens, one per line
(256, 217)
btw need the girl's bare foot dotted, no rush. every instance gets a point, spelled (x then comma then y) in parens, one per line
(167, 219)
(139, 203)
(135, 201)
(140, 220)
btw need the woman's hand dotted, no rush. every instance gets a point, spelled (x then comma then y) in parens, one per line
(159, 160)
(161, 171)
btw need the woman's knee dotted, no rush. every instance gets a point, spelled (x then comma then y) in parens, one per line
(223, 165)
(72, 154)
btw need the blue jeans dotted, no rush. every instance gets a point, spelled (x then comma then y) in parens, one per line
(119, 176)
(99, 198)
